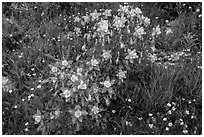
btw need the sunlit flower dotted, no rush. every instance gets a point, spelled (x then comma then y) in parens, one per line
(77, 114)
(107, 12)
(137, 10)
(94, 62)
(54, 69)
(66, 93)
(77, 30)
(74, 78)
(165, 119)
(121, 74)
(95, 15)
(65, 63)
(167, 129)
(146, 20)
(103, 26)
(170, 124)
(124, 9)
(168, 30)
(131, 55)
(139, 31)
(119, 21)
(156, 31)
(185, 131)
(106, 54)
(82, 85)
(37, 117)
(77, 19)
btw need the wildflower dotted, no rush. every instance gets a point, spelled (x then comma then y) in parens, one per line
(165, 119)
(94, 62)
(82, 85)
(169, 104)
(185, 131)
(103, 26)
(131, 13)
(77, 19)
(170, 124)
(129, 100)
(37, 117)
(10, 91)
(156, 31)
(106, 54)
(167, 129)
(26, 129)
(107, 12)
(54, 69)
(137, 10)
(77, 114)
(39, 86)
(26, 123)
(173, 108)
(119, 22)
(182, 123)
(131, 55)
(150, 114)
(124, 9)
(95, 15)
(187, 112)
(121, 74)
(65, 63)
(146, 20)
(77, 30)
(66, 92)
(151, 125)
(139, 31)
(168, 30)
(169, 112)
(74, 78)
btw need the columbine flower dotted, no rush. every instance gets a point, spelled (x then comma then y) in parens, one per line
(107, 12)
(156, 31)
(131, 55)
(74, 78)
(185, 131)
(137, 10)
(54, 69)
(139, 31)
(146, 20)
(55, 114)
(95, 15)
(65, 63)
(124, 9)
(121, 74)
(168, 30)
(77, 19)
(106, 54)
(77, 30)
(66, 93)
(119, 21)
(94, 110)
(94, 62)
(108, 83)
(77, 114)
(82, 85)
(103, 26)
(37, 117)
(170, 124)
